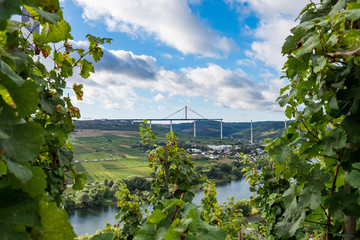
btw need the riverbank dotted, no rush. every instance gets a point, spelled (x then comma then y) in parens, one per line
(90, 220)
(100, 195)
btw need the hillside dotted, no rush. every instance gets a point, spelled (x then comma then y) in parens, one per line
(238, 130)
(111, 149)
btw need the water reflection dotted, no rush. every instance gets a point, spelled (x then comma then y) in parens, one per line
(90, 220)
(237, 188)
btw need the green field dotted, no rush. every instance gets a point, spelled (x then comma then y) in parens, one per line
(104, 154)
(109, 154)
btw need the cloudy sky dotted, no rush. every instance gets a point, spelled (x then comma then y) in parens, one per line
(220, 58)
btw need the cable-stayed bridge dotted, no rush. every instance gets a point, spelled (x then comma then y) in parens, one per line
(171, 119)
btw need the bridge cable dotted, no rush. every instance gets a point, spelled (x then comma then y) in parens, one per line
(197, 113)
(174, 113)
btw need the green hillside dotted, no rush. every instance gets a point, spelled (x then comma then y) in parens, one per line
(239, 130)
(112, 150)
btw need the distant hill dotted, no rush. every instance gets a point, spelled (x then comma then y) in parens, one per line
(239, 130)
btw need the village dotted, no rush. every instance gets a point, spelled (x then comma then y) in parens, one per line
(236, 152)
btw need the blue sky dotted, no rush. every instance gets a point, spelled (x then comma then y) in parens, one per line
(221, 58)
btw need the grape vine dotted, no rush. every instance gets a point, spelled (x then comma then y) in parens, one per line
(310, 186)
(36, 118)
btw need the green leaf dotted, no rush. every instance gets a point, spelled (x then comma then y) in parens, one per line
(319, 64)
(333, 103)
(104, 236)
(54, 222)
(147, 231)
(356, 165)
(52, 33)
(51, 17)
(352, 15)
(65, 157)
(311, 43)
(66, 69)
(35, 187)
(311, 199)
(47, 104)
(351, 126)
(86, 67)
(336, 140)
(286, 228)
(8, 8)
(3, 135)
(20, 171)
(289, 197)
(283, 100)
(305, 9)
(9, 73)
(27, 137)
(80, 181)
(25, 97)
(340, 5)
(156, 216)
(17, 210)
(354, 178)
(3, 168)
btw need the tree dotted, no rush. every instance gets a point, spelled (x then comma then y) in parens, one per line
(36, 118)
(311, 182)
(106, 182)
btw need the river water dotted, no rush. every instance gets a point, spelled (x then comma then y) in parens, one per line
(90, 220)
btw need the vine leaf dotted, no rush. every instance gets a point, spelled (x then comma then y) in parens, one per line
(25, 97)
(86, 67)
(66, 69)
(20, 171)
(36, 185)
(80, 180)
(27, 137)
(17, 210)
(54, 222)
(7, 72)
(51, 17)
(353, 178)
(156, 216)
(53, 33)
(147, 231)
(78, 90)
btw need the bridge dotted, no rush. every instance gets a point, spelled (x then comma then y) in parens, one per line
(171, 120)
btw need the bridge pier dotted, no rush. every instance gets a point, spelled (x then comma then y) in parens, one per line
(170, 125)
(251, 129)
(150, 124)
(194, 128)
(221, 129)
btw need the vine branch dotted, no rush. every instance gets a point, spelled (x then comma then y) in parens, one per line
(176, 209)
(339, 54)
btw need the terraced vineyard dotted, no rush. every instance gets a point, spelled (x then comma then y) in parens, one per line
(103, 154)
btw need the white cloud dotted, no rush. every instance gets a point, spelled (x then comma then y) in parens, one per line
(276, 18)
(123, 80)
(270, 37)
(246, 62)
(224, 87)
(159, 98)
(170, 22)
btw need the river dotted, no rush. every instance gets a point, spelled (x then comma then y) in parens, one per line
(89, 220)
